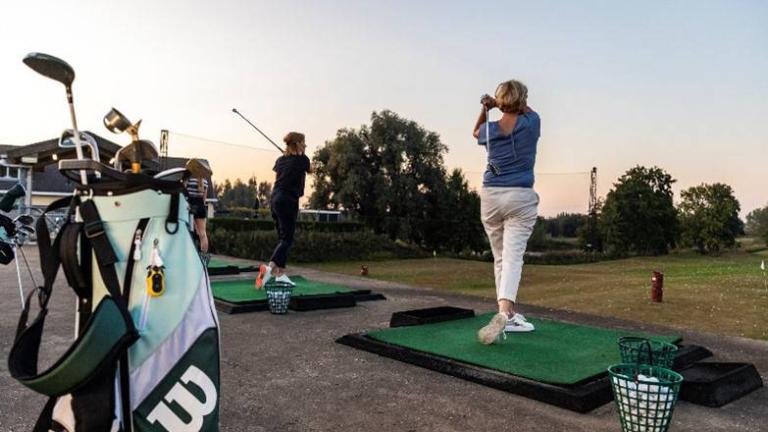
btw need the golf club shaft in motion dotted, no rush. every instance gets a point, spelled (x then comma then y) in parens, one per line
(487, 133)
(234, 110)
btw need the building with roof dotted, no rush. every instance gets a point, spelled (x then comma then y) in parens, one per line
(36, 167)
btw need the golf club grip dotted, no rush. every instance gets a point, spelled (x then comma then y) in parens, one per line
(10, 197)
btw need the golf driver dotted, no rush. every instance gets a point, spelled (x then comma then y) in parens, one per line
(234, 110)
(59, 70)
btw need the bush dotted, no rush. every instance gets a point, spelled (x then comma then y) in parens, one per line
(543, 258)
(311, 246)
(564, 258)
(239, 225)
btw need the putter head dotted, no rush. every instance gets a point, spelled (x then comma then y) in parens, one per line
(51, 67)
(116, 122)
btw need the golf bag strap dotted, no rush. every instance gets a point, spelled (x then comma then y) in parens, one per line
(49, 263)
(6, 253)
(44, 421)
(49, 258)
(6, 250)
(93, 229)
(7, 224)
(173, 215)
(70, 236)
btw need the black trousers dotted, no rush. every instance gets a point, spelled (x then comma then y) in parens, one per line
(285, 210)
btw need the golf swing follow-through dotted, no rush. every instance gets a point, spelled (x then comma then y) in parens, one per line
(508, 203)
(290, 176)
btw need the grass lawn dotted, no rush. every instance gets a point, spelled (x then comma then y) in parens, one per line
(723, 294)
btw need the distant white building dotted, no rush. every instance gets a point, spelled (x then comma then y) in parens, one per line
(320, 215)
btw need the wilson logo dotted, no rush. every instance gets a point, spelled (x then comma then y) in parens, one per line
(196, 408)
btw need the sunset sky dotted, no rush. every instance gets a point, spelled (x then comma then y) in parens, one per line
(678, 84)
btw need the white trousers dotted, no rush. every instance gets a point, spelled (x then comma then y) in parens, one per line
(508, 215)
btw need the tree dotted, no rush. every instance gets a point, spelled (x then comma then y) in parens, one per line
(238, 194)
(392, 176)
(537, 242)
(565, 224)
(264, 194)
(757, 223)
(709, 217)
(589, 234)
(456, 226)
(638, 215)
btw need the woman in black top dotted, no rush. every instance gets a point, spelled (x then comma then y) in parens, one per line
(291, 171)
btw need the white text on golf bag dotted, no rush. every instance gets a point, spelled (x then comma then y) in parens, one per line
(195, 408)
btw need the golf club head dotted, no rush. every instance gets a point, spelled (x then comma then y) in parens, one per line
(10, 197)
(26, 230)
(199, 168)
(24, 220)
(116, 122)
(66, 140)
(51, 67)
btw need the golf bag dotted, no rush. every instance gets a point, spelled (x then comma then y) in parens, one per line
(146, 356)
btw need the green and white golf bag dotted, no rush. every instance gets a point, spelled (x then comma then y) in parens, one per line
(146, 356)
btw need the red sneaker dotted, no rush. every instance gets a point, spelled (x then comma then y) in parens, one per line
(265, 274)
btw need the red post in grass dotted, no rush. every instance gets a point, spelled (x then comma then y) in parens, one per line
(657, 286)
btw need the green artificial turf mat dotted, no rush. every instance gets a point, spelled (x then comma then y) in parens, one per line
(555, 353)
(214, 263)
(243, 290)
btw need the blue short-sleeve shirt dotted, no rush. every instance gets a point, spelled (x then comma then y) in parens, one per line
(513, 156)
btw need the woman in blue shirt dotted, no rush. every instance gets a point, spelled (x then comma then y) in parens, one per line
(508, 202)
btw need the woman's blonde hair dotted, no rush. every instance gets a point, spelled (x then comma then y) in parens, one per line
(292, 141)
(512, 97)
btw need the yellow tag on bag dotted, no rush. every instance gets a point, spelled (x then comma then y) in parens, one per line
(155, 281)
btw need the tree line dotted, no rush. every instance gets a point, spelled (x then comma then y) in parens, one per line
(391, 175)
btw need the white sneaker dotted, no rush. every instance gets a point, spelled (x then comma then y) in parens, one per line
(488, 334)
(517, 324)
(265, 274)
(284, 279)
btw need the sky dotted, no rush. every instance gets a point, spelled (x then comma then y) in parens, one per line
(677, 84)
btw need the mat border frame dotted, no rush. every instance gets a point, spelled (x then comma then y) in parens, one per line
(581, 397)
(302, 303)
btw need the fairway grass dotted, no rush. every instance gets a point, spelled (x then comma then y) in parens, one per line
(724, 294)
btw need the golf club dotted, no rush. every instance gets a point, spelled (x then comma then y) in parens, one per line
(138, 150)
(66, 141)
(23, 220)
(59, 70)
(491, 166)
(10, 197)
(234, 110)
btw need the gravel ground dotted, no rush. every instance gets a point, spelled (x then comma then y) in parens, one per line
(285, 373)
